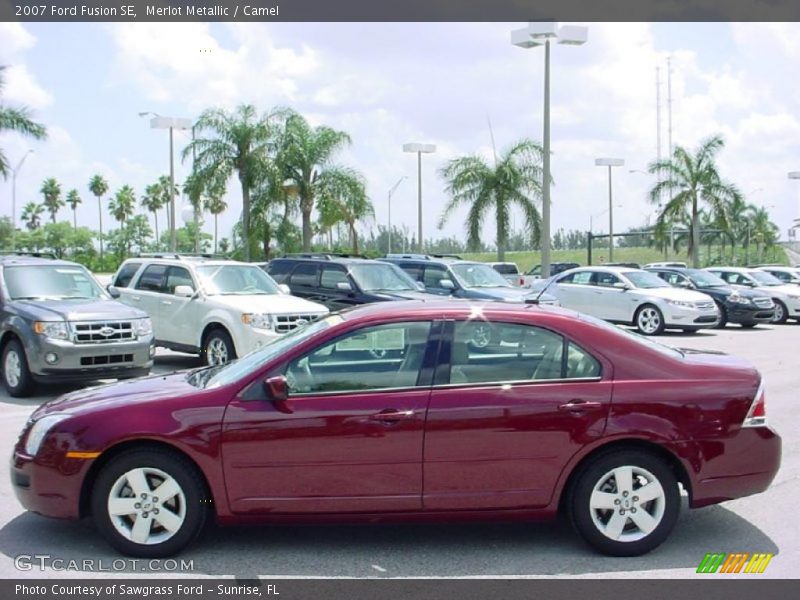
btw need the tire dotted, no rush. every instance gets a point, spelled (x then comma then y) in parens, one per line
(649, 320)
(723, 317)
(146, 469)
(17, 377)
(627, 537)
(748, 325)
(781, 314)
(691, 329)
(218, 348)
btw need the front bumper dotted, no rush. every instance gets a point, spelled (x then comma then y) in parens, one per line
(749, 314)
(49, 486)
(81, 362)
(678, 316)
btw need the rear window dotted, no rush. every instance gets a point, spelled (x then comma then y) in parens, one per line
(506, 269)
(304, 274)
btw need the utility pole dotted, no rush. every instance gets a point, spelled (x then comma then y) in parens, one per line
(658, 114)
(669, 104)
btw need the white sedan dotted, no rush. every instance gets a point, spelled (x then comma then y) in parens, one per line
(632, 297)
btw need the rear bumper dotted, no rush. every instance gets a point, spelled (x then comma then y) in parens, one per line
(737, 467)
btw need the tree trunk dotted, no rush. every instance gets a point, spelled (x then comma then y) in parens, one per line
(245, 217)
(306, 211)
(501, 236)
(100, 214)
(215, 233)
(695, 235)
(155, 215)
(354, 236)
(74, 219)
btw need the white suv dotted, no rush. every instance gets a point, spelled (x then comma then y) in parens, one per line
(219, 309)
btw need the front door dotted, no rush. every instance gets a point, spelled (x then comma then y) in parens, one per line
(348, 439)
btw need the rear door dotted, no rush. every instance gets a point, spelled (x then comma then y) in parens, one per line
(180, 316)
(574, 291)
(303, 281)
(507, 418)
(331, 280)
(146, 293)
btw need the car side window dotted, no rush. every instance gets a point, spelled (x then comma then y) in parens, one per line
(125, 274)
(413, 271)
(433, 276)
(372, 358)
(603, 279)
(279, 269)
(331, 277)
(178, 276)
(304, 274)
(582, 278)
(501, 352)
(152, 279)
(580, 364)
(785, 277)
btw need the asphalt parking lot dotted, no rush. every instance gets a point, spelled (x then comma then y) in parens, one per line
(764, 523)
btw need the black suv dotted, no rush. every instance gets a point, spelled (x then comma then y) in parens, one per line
(745, 307)
(342, 281)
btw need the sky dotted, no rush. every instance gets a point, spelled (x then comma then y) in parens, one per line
(388, 84)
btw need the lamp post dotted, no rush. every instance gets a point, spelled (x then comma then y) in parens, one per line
(795, 175)
(600, 214)
(610, 162)
(538, 34)
(14, 172)
(420, 149)
(171, 123)
(392, 191)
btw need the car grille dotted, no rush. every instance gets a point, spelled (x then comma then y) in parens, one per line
(103, 332)
(763, 302)
(704, 305)
(285, 323)
(113, 359)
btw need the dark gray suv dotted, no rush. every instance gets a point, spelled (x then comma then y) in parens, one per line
(58, 325)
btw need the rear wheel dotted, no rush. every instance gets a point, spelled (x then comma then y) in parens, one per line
(17, 377)
(780, 313)
(625, 503)
(649, 320)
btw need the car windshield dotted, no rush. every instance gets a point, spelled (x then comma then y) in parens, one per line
(218, 280)
(473, 275)
(662, 348)
(220, 375)
(51, 282)
(704, 279)
(764, 278)
(645, 280)
(376, 277)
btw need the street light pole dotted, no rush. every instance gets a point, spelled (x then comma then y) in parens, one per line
(391, 191)
(795, 175)
(610, 162)
(540, 34)
(419, 149)
(14, 200)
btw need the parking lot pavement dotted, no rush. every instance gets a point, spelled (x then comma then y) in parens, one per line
(764, 523)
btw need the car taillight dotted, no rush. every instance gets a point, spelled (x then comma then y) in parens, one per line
(757, 415)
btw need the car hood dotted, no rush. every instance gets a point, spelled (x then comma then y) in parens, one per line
(279, 304)
(506, 294)
(404, 295)
(151, 389)
(671, 293)
(78, 310)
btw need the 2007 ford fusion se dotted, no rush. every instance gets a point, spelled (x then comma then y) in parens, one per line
(390, 411)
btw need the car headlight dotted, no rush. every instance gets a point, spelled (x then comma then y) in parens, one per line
(737, 299)
(39, 430)
(681, 303)
(144, 327)
(56, 330)
(257, 321)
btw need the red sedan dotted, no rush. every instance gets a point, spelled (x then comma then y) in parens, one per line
(391, 411)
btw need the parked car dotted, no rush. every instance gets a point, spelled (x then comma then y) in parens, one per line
(509, 270)
(343, 282)
(535, 273)
(58, 325)
(627, 265)
(789, 275)
(465, 279)
(743, 306)
(633, 297)
(667, 264)
(219, 309)
(785, 296)
(312, 427)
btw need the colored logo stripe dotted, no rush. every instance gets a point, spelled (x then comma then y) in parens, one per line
(735, 562)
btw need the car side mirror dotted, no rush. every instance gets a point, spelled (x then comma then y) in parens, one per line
(686, 284)
(276, 388)
(344, 286)
(284, 288)
(447, 284)
(113, 291)
(620, 285)
(184, 291)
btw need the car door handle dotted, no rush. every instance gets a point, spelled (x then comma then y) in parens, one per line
(578, 405)
(136, 298)
(391, 415)
(166, 302)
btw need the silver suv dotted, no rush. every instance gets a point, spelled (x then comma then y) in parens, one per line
(58, 325)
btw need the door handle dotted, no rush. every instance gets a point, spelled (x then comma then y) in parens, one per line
(392, 416)
(136, 298)
(577, 405)
(166, 302)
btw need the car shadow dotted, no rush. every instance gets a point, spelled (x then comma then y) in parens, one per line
(397, 550)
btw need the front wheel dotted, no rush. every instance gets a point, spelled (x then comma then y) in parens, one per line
(149, 503)
(16, 374)
(649, 320)
(625, 503)
(723, 317)
(781, 313)
(218, 348)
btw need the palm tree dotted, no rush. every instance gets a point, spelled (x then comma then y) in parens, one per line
(32, 215)
(99, 187)
(152, 201)
(513, 180)
(343, 198)
(688, 179)
(762, 230)
(18, 120)
(239, 141)
(305, 154)
(123, 204)
(74, 200)
(167, 197)
(51, 190)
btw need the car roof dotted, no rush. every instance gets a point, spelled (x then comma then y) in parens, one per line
(35, 259)
(603, 269)
(332, 260)
(732, 269)
(436, 309)
(186, 261)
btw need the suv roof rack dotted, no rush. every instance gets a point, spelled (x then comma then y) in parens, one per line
(416, 256)
(322, 255)
(49, 255)
(176, 255)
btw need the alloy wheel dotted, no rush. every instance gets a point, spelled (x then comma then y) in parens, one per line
(649, 320)
(216, 352)
(12, 369)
